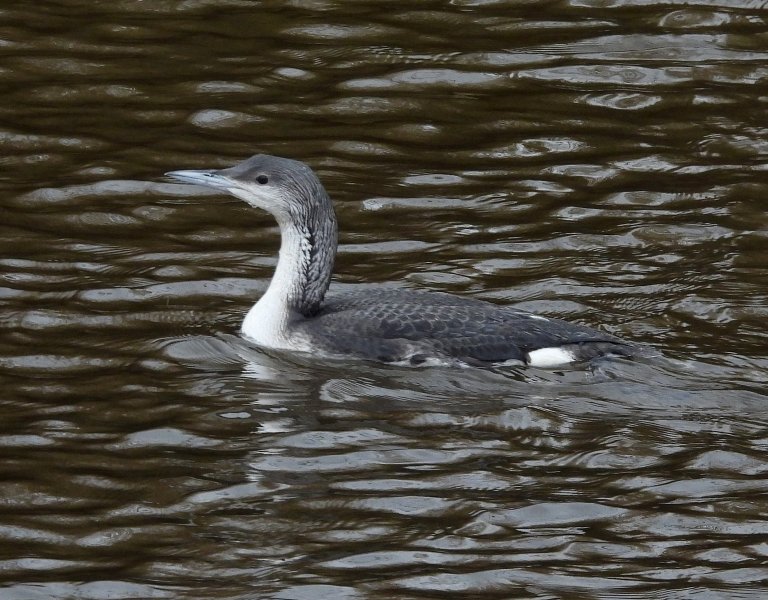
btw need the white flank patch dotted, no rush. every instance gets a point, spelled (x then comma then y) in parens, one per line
(550, 357)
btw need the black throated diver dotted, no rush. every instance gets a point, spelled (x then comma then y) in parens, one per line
(386, 325)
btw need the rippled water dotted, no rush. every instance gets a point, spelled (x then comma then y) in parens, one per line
(598, 160)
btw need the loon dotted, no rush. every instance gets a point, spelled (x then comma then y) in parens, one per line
(386, 325)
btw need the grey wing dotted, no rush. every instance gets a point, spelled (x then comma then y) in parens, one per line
(395, 327)
(396, 332)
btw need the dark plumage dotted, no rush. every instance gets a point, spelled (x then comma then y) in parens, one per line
(393, 325)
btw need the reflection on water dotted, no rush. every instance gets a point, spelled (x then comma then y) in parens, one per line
(601, 162)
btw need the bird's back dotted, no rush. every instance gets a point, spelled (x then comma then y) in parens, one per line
(402, 325)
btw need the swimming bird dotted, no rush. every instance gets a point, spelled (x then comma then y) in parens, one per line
(389, 325)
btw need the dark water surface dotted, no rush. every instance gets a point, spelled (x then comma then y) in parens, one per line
(600, 161)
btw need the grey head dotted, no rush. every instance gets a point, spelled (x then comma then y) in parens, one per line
(292, 193)
(288, 189)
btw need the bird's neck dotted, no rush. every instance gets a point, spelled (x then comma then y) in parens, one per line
(303, 274)
(305, 265)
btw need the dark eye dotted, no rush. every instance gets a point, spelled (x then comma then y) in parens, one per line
(262, 179)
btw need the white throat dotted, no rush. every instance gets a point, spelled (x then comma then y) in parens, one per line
(268, 322)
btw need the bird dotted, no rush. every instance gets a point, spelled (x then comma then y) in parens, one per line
(381, 324)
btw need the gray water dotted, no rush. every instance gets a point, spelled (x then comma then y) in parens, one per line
(599, 161)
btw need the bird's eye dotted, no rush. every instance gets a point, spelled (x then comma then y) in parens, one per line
(262, 179)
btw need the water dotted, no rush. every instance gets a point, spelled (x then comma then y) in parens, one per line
(598, 161)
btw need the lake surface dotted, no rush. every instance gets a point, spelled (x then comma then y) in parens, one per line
(602, 161)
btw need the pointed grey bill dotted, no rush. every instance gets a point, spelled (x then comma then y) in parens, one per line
(205, 178)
